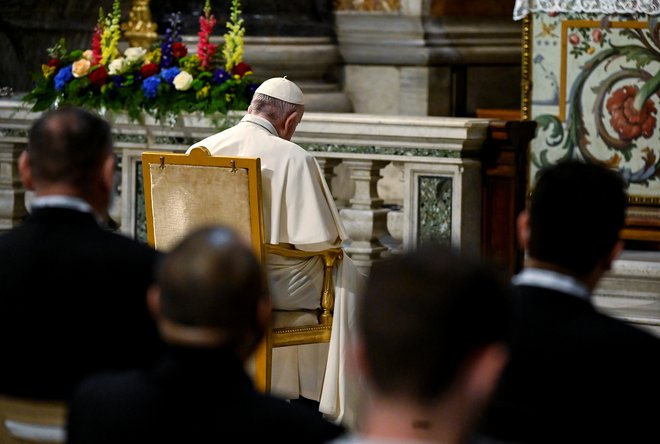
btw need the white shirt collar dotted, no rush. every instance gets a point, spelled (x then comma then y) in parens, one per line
(70, 202)
(552, 280)
(261, 122)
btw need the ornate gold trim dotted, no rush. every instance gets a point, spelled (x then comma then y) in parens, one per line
(526, 83)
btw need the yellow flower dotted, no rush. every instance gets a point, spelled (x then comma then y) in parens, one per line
(153, 57)
(203, 93)
(591, 50)
(81, 67)
(47, 70)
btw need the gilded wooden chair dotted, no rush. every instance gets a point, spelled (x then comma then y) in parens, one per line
(186, 191)
(31, 420)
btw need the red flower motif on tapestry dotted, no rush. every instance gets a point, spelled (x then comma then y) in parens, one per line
(629, 122)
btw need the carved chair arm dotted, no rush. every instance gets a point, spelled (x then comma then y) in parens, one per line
(329, 256)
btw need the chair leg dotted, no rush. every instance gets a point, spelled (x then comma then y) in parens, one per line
(263, 364)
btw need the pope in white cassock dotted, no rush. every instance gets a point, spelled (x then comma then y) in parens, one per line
(299, 211)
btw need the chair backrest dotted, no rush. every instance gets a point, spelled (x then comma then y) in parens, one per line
(29, 420)
(183, 192)
(186, 191)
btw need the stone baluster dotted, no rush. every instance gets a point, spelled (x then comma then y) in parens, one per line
(365, 219)
(12, 193)
(395, 218)
(328, 165)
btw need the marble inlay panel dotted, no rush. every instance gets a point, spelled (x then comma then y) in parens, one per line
(434, 210)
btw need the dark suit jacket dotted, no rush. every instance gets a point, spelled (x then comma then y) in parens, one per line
(72, 302)
(190, 396)
(575, 375)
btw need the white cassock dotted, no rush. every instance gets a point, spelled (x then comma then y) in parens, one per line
(300, 210)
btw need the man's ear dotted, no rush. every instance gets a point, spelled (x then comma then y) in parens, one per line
(484, 370)
(24, 171)
(523, 229)
(108, 173)
(614, 253)
(153, 301)
(290, 125)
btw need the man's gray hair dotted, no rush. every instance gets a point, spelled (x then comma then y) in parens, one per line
(273, 109)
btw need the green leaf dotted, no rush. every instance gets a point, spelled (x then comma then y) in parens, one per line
(638, 54)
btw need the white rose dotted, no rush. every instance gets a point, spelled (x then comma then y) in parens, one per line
(183, 81)
(135, 54)
(117, 66)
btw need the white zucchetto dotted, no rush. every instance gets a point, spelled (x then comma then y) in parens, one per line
(283, 89)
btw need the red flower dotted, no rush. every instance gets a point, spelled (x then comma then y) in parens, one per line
(241, 69)
(99, 76)
(179, 50)
(574, 39)
(597, 35)
(55, 63)
(629, 122)
(148, 70)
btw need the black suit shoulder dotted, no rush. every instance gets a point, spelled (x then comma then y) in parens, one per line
(574, 374)
(77, 292)
(184, 401)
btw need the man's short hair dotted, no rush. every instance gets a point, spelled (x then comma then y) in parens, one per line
(275, 110)
(68, 145)
(212, 278)
(576, 212)
(423, 314)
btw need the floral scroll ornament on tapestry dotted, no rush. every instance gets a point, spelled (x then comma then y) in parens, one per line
(163, 82)
(619, 77)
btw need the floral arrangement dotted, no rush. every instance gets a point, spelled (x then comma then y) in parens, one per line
(163, 82)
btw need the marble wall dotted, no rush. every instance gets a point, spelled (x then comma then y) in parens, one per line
(29, 27)
(406, 57)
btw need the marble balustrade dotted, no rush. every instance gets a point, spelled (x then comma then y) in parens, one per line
(397, 180)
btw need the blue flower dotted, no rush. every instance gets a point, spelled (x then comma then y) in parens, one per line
(170, 73)
(166, 49)
(63, 77)
(117, 80)
(220, 76)
(150, 87)
(252, 87)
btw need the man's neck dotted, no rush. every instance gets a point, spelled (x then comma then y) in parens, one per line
(403, 421)
(589, 280)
